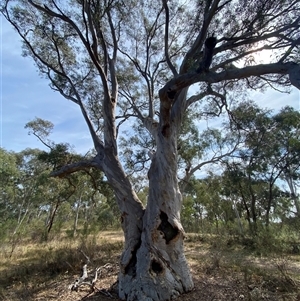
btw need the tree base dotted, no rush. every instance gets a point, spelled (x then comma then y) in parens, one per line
(156, 272)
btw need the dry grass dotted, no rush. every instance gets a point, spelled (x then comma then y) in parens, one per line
(43, 271)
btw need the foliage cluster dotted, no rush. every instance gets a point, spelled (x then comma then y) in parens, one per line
(33, 202)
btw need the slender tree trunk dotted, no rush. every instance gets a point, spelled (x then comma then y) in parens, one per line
(270, 199)
(253, 210)
(217, 223)
(248, 214)
(294, 196)
(238, 218)
(297, 204)
(76, 217)
(20, 221)
(52, 216)
(199, 220)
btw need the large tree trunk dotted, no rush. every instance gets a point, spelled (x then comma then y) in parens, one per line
(158, 269)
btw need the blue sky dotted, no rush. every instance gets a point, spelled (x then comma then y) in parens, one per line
(25, 95)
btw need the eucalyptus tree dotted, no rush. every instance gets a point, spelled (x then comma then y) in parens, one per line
(82, 188)
(208, 201)
(25, 186)
(9, 175)
(29, 183)
(121, 60)
(280, 154)
(270, 154)
(287, 137)
(256, 167)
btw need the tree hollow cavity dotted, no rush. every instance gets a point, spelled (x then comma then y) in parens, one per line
(166, 228)
(130, 269)
(156, 266)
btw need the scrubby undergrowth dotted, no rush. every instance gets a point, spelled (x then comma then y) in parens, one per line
(224, 268)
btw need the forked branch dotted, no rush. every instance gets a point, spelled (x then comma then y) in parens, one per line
(90, 280)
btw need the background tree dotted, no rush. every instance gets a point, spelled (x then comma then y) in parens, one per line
(30, 184)
(82, 190)
(287, 136)
(34, 204)
(9, 177)
(269, 147)
(138, 59)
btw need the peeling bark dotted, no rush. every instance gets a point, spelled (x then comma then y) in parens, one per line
(157, 269)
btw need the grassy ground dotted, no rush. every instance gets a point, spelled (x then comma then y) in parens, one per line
(222, 269)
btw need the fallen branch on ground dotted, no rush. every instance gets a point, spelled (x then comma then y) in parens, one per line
(90, 281)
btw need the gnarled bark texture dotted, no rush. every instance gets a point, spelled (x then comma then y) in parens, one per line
(157, 269)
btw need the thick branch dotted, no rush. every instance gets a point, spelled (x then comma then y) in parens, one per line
(71, 168)
(182, 81)
(195, 98)
(112, 61)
